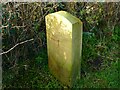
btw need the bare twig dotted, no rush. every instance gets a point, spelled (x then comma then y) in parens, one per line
(11, 27)
(4, 26)
(16, 46)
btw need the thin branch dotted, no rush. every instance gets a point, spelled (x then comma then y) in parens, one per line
(16, 46)
(4, 26)
(11, 27)
(18, 27)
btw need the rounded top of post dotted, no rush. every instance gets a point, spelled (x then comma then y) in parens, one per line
(67, 15)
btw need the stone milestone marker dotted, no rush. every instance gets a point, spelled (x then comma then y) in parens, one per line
(64, 44)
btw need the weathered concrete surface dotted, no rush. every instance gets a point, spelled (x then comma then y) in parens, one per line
(64, 44)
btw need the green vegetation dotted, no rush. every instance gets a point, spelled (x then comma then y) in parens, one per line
(26, 66)
(98, 71)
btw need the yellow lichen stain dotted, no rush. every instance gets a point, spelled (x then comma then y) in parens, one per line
(65, 56)
(53, 33)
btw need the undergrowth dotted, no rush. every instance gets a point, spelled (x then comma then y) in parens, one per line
(99, 66)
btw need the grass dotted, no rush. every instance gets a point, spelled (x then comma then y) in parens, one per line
(99, 67)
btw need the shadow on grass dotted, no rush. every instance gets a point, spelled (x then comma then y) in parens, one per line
(36, 75)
